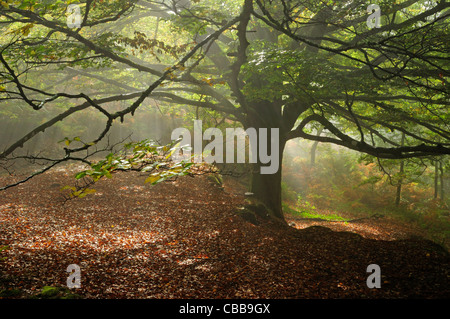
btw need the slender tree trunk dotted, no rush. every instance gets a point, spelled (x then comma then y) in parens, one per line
(441, 169)
(399, 186)
(156, 28)
(436, 179)
(400, 181)
(314, 148)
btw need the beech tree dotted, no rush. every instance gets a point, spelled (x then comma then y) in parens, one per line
(299, 66)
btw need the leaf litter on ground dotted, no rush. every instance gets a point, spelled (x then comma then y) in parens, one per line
(183, 239)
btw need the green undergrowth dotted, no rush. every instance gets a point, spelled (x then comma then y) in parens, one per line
(47, 292)
(295, 212)
(434, 225)
(435, 222)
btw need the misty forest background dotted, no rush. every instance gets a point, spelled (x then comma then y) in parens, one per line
(365, 138)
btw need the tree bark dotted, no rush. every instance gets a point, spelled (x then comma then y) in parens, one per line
(266, 188)
(436, 179)
(400, 181)
(314, 147)
(441, 169)
(399, 187)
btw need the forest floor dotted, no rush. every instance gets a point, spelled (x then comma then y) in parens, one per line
(183, 239)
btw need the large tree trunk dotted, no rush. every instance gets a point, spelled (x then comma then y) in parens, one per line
(266, 189)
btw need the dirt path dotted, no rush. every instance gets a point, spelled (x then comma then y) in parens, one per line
(383, 228)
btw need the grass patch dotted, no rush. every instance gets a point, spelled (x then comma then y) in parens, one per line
(312, 214)
(331, 217)
(49, 292)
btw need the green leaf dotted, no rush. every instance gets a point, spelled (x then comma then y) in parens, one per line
(90, 191)
(81, 175)
(82, 195)
(152, 179)
(68, 187)
(172, 150)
